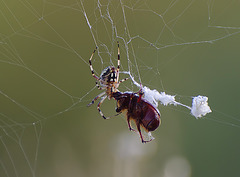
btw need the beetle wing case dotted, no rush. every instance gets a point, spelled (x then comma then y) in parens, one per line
(151, 120)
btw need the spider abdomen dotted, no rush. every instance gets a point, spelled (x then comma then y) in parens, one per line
(108, 75)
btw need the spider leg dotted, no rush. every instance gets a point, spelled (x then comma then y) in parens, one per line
(118, 66)
(99, 104)
(90, 64)
(99, 87)
(114, 115)
(122, 80)
(92, 102)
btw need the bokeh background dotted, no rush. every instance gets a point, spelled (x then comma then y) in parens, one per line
(184, 48)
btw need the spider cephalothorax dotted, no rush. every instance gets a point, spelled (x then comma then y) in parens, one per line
(108, 80)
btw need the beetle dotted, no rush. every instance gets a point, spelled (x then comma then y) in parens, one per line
(139, 110)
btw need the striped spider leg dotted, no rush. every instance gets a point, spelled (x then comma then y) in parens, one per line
(108, 81)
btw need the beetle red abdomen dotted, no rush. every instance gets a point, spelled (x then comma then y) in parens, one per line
(151, 120)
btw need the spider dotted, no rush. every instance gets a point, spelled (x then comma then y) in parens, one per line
(108, 81)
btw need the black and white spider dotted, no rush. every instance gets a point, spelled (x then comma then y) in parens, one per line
(108, 81)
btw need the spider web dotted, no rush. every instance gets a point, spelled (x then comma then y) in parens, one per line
(182, 47)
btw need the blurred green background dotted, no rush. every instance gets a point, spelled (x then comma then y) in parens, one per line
(184, 48)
